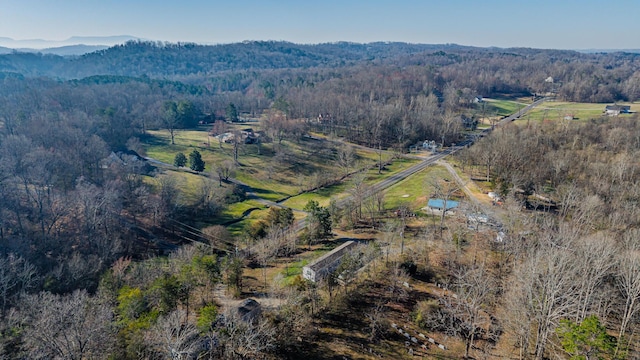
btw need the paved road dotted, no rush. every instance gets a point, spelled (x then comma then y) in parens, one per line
(299, 225)
(391, 180)
(518, 114)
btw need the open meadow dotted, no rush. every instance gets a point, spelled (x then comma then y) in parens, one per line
(415, 190)
(274, 171)
(290, 172)
(499, 107)
(568, 111)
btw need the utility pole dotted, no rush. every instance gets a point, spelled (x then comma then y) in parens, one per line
(403, 213)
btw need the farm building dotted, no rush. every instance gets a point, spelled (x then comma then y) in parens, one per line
(439, 204)
(327, 263)
(615, 110)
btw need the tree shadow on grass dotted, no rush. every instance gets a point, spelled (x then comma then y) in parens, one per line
(154, 140)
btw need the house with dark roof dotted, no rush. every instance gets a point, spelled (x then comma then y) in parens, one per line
(249, 310)
(615, 110)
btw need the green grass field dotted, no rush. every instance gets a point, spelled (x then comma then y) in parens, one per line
(295, 268)
(237, 210)
(323, 196)
(239, 228)
(187, 183)
(303, 163)
(397, 166)
(494, 107)
(556, 111)
(414, 190)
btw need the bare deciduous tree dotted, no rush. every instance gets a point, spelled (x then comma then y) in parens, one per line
(593, 257)
(398, 283)
(546, 291)
(474, 292)
(206, 197)
(443, 190)
(16, 276)
(67, 327)
(358, 192)
(219, 128)
(241, 339)
(174, 337)
(225, 170)
(375, 317)
(628, 280)
(265, 250)
(345, 158)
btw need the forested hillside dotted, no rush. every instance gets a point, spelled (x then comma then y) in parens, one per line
(488, 71)
(129, 256)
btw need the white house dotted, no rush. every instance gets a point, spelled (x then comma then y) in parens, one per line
(615, 110)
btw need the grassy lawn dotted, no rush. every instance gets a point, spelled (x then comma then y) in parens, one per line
(556, 111)
(415, 189)
(158, 146)
(500, 107)
(304, 162)
(238, 229)
(187, 183)
(323, 196)
(292, 270)
(397, 165)
(272, 180)
(237, 210)
(285, 269)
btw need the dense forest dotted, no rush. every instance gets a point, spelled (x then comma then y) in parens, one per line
(82, 226)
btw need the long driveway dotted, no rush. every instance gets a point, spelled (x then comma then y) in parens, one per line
(395, 178)
(383, 184)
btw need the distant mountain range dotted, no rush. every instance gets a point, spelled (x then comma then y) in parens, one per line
(172, 61)
(167, 60)
(76, 45)
(595, 51)
(80, 45)
(75, 40)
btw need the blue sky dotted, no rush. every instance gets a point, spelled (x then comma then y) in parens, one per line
(559, 24)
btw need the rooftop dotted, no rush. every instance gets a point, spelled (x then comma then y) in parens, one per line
(330, 257)
(439, 204)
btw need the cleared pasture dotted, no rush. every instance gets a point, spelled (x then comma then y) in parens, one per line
(274, 170)
(414, 191)
(569, 111)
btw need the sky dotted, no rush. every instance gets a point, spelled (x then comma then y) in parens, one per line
(549, 24)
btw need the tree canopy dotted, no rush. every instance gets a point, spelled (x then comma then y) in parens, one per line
(195, 161)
